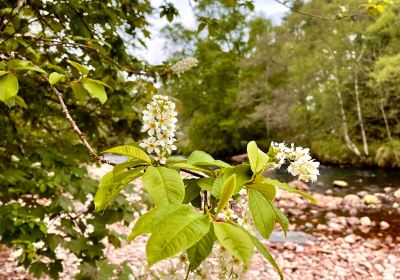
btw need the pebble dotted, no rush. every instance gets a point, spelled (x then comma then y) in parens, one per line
(397, 194)
(371, 199)
(384, 225)
(340, 183)
(350, 238)
(365, 222)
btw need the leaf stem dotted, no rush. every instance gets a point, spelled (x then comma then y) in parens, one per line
(187, 273)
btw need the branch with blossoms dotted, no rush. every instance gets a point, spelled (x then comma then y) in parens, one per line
(220, 208)
(194, 216)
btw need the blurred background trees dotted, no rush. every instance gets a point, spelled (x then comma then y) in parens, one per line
(328, 84)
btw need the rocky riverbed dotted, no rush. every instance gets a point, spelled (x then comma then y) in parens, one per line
(339, 238)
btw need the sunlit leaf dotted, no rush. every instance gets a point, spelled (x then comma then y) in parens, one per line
(175, 234)
(82, 69)
(235, 240)
(164, 186)
(8, 86)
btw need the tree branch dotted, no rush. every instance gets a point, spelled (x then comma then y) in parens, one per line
(284, 3)
(63, 42)
(82, 136)
(75, 128)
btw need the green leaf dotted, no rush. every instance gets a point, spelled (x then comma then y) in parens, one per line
(2, 72)
(206, 183)
(176, 159)
(201, 249)
(175, 234)
(164, 185)
(79, 91)
(182, 165)
(243, 176)
(226, 193)
(258, 159)
(192, 190)
(98, 82)
(8, 86)
(10, 102)
(30, 68)
(55, 77)
(95, 90)
(267, 190)
(130, 151)
(128, 164)
(262, 212)
(288, 188)
(235, 240)
(281, 218)
(267, 255)
(149, 221)
(201, 26)
(202, 158)
(82, 69)
(111, 185)
(20, 102)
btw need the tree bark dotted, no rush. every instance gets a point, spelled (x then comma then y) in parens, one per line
(358, 104)
(382, 106)
(345, 126)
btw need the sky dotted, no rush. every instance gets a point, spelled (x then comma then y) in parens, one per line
(155, 52)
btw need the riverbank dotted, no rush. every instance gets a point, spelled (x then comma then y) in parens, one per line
(339, 238)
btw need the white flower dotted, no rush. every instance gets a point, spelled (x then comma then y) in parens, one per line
(36, 165)
(159, 122)
(38, 245)
(14, 158)
(306, 168)
(17, 253)
(184, 65)
(50, 174)
(300, 162)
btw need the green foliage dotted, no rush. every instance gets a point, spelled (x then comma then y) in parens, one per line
(8, 87)
(201, 249)
(164, 185)
(258, 159)
(184, 209)
(111, 184)
(262, 212)
(175, 234)
(53, 67)
(130, 151)
(226, 192)
(235, 241)
(261, 69)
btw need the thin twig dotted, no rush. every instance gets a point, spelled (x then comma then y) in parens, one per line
(74, 44)
(82, 136)
(318, 16)
(75, 128)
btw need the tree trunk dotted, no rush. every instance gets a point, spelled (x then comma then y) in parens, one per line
(389, 134)
(358, 104)
(359, 113)
(345, 126)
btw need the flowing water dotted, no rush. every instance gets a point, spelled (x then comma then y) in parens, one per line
(371, 180)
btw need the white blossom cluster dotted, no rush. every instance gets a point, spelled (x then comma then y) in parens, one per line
(160, 124)
(184, 65)
(301, 164)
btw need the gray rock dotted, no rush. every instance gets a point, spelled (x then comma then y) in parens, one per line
(297, 237)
